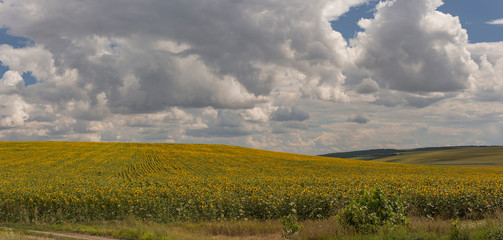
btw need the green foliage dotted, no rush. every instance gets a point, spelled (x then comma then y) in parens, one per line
(372, 211)
(456, 233)
(496, 234)
(455, 230)
(6, 233)
(291, 225)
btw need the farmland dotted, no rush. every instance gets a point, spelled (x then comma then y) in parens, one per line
(477, 156)
(76, 182)
(473, 156)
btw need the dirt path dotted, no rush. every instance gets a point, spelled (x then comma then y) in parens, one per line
(57, 235)
(65, 235)
(36, 238)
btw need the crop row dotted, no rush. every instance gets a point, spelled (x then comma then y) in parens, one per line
(54, 182)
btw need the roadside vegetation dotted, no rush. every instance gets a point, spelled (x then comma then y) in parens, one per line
(490, 228)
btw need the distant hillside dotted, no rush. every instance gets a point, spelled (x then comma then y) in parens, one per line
(382, 153)
(460, 155)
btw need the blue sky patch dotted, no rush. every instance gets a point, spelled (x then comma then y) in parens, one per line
(474, 16)
(3, 69)
(347, 24)
(29, 79)
(14, 41)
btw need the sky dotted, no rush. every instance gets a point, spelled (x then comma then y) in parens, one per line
(310, 77)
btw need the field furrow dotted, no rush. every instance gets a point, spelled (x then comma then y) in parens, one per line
(64, 181)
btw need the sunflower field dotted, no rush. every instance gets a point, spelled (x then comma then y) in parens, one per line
(70, 181)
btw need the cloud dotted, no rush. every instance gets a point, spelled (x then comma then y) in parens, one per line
(298, 125)
(43, 114)
(360, 119)
(496, 22)
(218, 132)
(11, 83)
(421, 101)
(228, 123)
(14, 111)
(335, 9)
(177, 53)
(257, 114)
(368, 86)
(488, 84)
(285, 114)
(290, 127)
(392, 98)
(34, 59)
(411, 47)
(230, 71)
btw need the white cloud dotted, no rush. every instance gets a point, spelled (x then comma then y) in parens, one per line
(496, 22)
(411, 47)
(488, 83)
(13, 111)
(257, 113)
(334, 9)
(11, 83)
(34, 59)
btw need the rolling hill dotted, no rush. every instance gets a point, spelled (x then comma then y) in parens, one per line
(452, 156)
(79, 182)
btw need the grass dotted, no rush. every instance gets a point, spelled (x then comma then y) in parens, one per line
(420, 228)
(133, 229)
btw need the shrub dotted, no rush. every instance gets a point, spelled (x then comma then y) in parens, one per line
(291, 226)
(496, 234)
(372, 211)
(456, 233)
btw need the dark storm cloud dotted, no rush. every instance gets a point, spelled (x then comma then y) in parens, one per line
(368, 86)
(423, 101)
(360, 119)
(285, 114)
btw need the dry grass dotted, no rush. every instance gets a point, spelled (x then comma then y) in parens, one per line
(243, 228)
(324, 229)
(419, 228)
